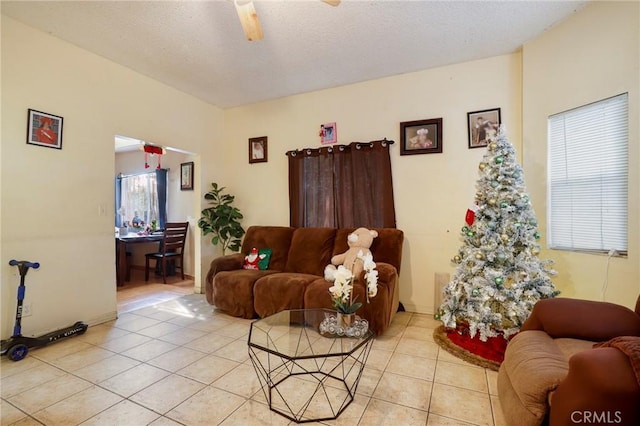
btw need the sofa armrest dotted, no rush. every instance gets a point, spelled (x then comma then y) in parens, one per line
(386, 273)
(229, 262)
(388, 283)
(600, 382)
(382, 308)
(582, 319)
(225, 263)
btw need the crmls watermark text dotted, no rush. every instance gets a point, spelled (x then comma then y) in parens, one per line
(596, 417)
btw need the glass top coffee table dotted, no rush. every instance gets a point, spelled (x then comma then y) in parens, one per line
(306, 376)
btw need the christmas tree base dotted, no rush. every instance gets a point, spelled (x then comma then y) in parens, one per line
(489, 354)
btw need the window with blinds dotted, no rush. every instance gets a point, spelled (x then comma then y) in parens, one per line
(588, 177)
(140, 198)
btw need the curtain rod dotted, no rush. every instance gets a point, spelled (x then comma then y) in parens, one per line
(341, 146)
(121, 175)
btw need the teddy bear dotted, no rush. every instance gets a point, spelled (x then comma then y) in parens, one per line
(359, 242)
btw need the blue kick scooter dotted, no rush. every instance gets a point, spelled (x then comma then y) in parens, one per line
(17, 346)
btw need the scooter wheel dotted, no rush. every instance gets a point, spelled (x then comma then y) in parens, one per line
(17, 352)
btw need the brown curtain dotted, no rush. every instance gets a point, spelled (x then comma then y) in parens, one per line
(342, 186)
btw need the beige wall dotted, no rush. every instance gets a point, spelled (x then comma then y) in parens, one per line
(432, 192)
(592, 56)
(57, 205)
(180, 203)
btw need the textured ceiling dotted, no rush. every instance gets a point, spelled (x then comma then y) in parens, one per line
(198, 46)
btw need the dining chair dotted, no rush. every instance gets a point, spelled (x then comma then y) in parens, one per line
(171, 249)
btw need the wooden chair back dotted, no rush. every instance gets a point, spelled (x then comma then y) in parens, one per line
(175, 236)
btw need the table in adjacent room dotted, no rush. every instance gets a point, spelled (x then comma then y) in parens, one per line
(121, 251)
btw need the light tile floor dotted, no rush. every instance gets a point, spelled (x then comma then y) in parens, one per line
(138, 293)
(180, 362)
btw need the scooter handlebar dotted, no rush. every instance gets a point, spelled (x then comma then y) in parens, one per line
(26, 264)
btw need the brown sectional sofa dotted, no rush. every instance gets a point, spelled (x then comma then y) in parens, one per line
(295, 277)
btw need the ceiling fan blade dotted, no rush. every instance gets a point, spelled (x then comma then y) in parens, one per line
(332, 2)
(249, 20)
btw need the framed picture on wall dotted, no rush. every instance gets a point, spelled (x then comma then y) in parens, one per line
(328, 133)
(258, 150)
(186, 176)
(44, 129)
(482, 124)
(421, 137)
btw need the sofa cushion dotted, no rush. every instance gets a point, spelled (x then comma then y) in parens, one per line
(310, 251)
(569, 347)
(535, 366)
(233, 291)
(277, 238)
(280, 292)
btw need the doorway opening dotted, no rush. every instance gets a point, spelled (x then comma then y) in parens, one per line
(182, 206)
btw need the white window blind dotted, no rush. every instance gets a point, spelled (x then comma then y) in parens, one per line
(588, 179)
(140, 197)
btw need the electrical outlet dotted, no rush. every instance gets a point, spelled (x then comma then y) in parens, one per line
(26, 310)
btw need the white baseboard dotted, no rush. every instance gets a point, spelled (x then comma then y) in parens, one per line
(110, 316)
(419, 309)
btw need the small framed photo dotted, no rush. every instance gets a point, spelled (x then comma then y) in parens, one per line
(328, 133)
(258, 150)
(186, 176)
(421, 137)
(44, 129)
(482, 124)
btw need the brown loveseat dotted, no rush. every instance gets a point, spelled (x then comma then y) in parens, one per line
(552, 373)
(295, 276)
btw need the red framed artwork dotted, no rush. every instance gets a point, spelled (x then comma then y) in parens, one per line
(44, 129)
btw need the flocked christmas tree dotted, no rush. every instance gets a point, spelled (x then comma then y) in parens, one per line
(499, 276)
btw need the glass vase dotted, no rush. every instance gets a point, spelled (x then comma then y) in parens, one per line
(346, 320)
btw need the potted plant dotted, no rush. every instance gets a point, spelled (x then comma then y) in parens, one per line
(222, 220)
